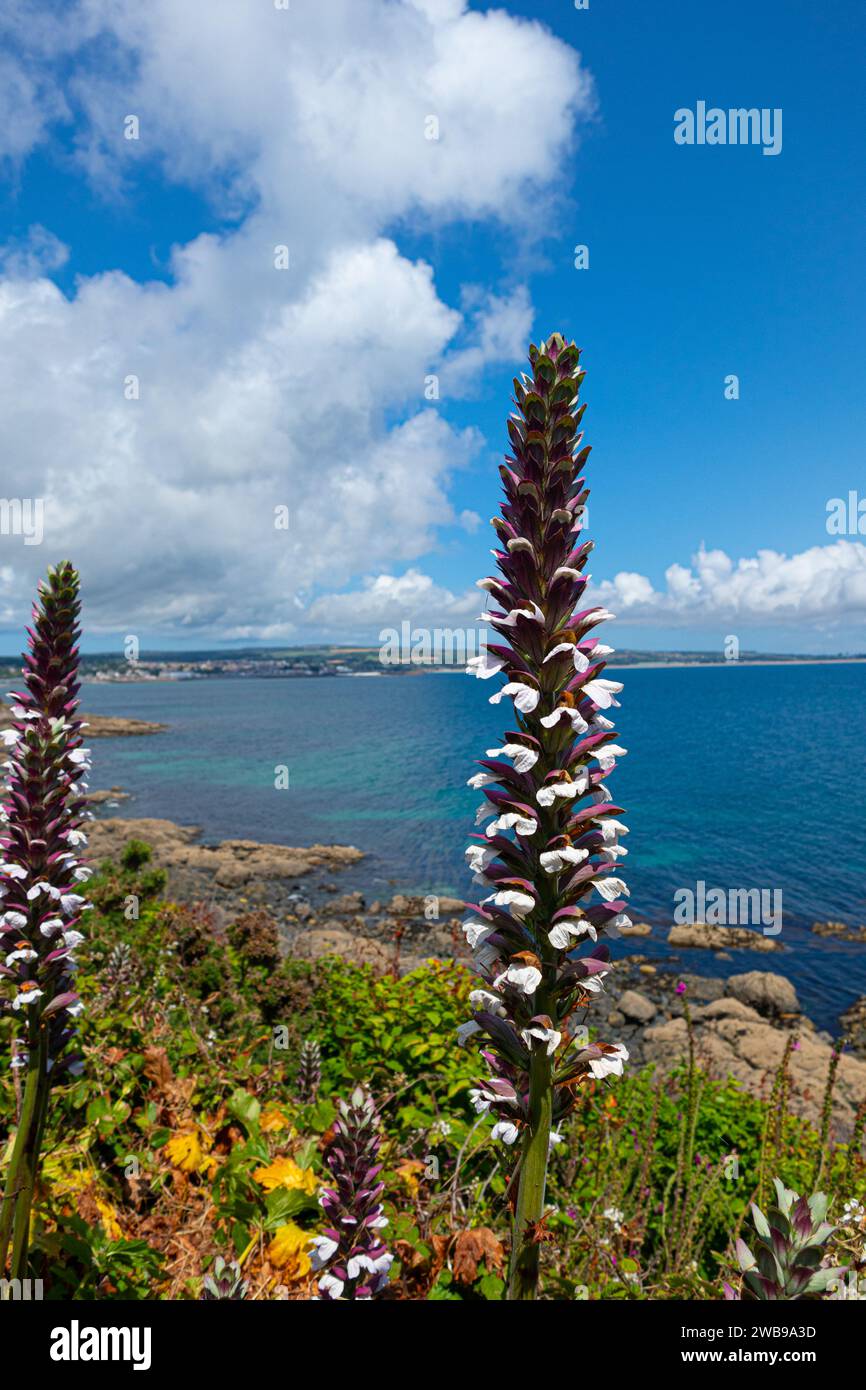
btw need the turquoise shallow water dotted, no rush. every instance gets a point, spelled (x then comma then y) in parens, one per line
(748, 777)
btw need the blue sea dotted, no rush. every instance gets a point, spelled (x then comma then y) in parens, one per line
(737, 776)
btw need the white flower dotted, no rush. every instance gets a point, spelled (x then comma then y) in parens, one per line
(323, 1249)
(611, 828)
(562, 931)
(73, 902)
(24, 951)
(42, 887)
(520, 903)
(475, 931)
(524, 825)
(543, 1034)
(565, 572)
(610, 888)
(594, 984)
(524, 758)
(481, 779)
(506, 1130)
(9, 737)
(76, 837)
(546, 795)
(329, 1283)
(25, 997)
(578, 723)
(51, 925)
(518, 543)
(71, 939)
(483, 999)
(526, 978)
(478, 857)
(358, 1262)
(553, 1139)
(14, 919)
(479, 1101)
(608, 755)
(466, 1030)
(525, 697)
(13, 871)
(554, 860)
(484, 666)
(601, 692)
(79, 755)
(82, 873)
(533, 614)
(610, 1064)
(485, 810)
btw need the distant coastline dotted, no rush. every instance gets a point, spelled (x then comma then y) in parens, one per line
(333, 662)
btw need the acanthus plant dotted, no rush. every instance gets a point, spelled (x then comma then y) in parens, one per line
(309, 1071)
(41, 882)
(549, 853)
(791, 1247)
(350, 1252)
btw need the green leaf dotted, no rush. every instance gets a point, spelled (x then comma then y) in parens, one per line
(282, 1205)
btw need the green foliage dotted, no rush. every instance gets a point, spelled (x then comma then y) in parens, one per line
(192, 1038)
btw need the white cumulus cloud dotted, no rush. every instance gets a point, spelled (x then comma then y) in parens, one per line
(167, 424)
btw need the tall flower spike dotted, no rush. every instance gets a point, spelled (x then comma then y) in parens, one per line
(355, 1261)
(548, 855)
(309, 1071)
(41, 883)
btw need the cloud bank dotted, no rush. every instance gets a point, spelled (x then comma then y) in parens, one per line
(282, 370)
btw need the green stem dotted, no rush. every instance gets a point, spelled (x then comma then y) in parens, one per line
(523, 1282)
(24, 1163)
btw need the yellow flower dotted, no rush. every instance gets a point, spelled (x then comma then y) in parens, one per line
(284, 1172)
(409, 1171)
(272, 1119)
(288, 1252)
(108, 1217)
(185, 1151)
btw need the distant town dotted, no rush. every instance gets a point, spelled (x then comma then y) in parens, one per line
(333, 661)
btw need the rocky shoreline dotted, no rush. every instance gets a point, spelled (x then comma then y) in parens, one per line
(741, 1024)
(100, 725)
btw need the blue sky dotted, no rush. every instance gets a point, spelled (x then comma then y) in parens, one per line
(704, 261)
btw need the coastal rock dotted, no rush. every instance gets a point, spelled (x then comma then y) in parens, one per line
(769, 994)
(350, 903)
(711, 938)
(733, 1040)
(238, 869)
(636, 929)
(636, 1006)
(431, 908)
(853, 1023)
(839, 930)
(103, 798)
(330, 941)
(703, 988)
(101, 725)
